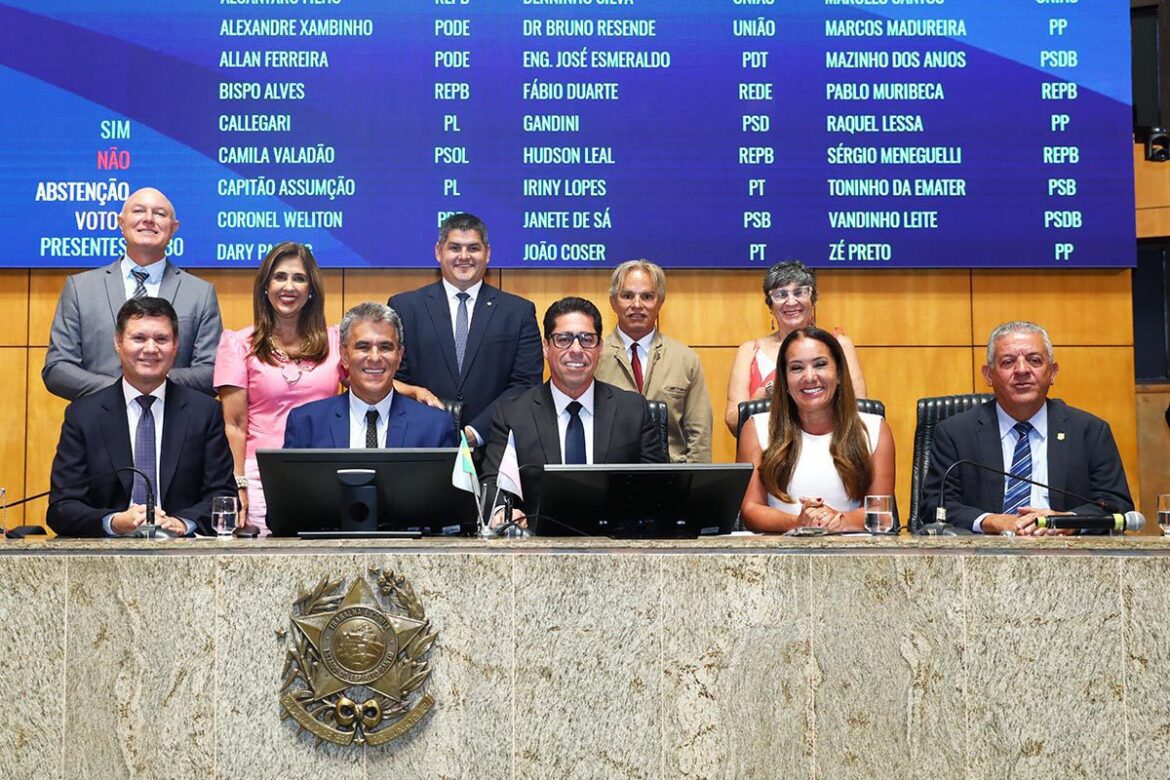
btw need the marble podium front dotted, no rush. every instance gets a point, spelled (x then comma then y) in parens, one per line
(735, 657)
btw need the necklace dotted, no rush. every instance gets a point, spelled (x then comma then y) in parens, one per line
(291, 370)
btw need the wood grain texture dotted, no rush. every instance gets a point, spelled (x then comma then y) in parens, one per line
(45, 414)
(716, 370)
(44, 288)
(897, 308)
(1086, 306)
(1153, 445)
(1151, 182)
(13, 411)
(14, 304)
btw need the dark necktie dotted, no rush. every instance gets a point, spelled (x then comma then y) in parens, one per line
(461, 326)
(372, 429)
(1018, 493)
(144, 457)
(636, 364)
(140, 288)
(575, 435)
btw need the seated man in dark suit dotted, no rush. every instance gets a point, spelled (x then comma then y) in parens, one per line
(173, 433)
(370, 414)
(572, 418)
(472, 343)
(1025, 433)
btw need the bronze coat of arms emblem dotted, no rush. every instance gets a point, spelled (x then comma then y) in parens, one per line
(355, 672)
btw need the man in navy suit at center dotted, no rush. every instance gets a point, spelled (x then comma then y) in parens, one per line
(470, 342)
(370, 414)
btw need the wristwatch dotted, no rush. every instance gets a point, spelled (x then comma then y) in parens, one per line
(241, 481)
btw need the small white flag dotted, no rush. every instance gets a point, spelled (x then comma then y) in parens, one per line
(463, 476)
(509, 474)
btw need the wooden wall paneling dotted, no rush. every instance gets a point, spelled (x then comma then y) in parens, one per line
(1153, 222)
(714, 308)
(716, 369)
(1151, 181)
(14, 304)
(893, 308)
(233, 289)
(44, 290)
(898, 377)
(1098, 380)
(1153, 447)
(360, 285)
(544, 287)
(13, 411)
(45, 413)
(1082, 306)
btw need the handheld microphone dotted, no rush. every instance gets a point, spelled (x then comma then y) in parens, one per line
(1130, 521)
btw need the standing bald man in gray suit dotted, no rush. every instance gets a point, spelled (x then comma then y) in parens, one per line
(81, 357)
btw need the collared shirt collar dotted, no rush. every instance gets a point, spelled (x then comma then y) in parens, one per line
(1007, 422)
(560, 400)
(358, 408)
(645, 342)
(130, 392)
(154, 271)
(473, 291)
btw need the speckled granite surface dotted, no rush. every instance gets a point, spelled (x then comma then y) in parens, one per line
(735, 657)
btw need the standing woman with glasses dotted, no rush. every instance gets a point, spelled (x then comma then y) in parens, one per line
(790, 292)
(286, 358)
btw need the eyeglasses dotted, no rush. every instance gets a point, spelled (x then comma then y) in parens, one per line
(802, 293)
(565, 340)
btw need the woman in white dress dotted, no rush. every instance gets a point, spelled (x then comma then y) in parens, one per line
(816, 456)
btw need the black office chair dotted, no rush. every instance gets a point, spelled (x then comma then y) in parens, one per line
(658, 415)
(455, 409)
(748, 408)
(932, 411)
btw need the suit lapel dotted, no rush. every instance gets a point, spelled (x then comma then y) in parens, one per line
(1057, 452)
(603, 419)
(652, 359)
(991, 453)
(616, 350)
(396, 422)
(481, 319)
(115, 290)
(169, 287)
(174, 435)
(339, 422)
(544, 419)
(440, 313)
(116, 434)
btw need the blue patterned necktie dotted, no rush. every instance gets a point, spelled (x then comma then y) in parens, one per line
(461, 327)
(575, 435)
(140, 278)
(144, 457)
(1019, 493)
(372, 429)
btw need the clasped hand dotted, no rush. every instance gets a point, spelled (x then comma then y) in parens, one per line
(127, 522)
(813, 512)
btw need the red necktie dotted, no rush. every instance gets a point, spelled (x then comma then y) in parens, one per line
(636, 364)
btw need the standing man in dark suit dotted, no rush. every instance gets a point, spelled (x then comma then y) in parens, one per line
(572, 418)
(470, 342)
(1026, 434)
(80, 360)
(370, 414)
(171, 432)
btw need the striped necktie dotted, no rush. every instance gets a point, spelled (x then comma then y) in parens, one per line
(140, 278)
(1019, 493)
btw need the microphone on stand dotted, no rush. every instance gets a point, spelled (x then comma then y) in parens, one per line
(940, 526)
(149, 527)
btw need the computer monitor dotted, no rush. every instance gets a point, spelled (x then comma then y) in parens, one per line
(644, 500)
(364, 492)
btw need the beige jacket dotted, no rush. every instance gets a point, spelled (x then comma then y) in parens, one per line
(671, 373)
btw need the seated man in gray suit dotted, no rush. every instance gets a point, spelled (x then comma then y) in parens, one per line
(81, 358)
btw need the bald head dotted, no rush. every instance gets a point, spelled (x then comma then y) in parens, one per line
(147, 223)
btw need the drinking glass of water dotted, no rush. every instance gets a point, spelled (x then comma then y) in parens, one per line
(224, 512)
(1164, 513)
(879, 514)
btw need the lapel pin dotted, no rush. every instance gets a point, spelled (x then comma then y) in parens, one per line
(1060, 436)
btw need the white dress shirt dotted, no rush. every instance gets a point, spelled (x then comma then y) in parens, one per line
(153, 280)
(562, 401)
(1038, 443)
(357, 420)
